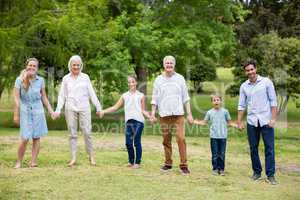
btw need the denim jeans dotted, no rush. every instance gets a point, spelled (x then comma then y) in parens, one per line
(218, 149)
(268, 138)
(133, 135)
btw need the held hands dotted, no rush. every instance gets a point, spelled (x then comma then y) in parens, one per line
(55, 115)
(190, 119)
(240, 125)
(152, 118)
(100, 114)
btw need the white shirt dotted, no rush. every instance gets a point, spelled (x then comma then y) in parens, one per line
(75, 93)
(133, 106)
(170, 94)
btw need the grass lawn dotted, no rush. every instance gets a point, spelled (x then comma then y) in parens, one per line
(110, 179)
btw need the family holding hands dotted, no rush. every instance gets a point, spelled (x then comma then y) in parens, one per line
(170, 99)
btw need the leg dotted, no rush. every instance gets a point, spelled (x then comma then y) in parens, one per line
(180, 138)
(86, 129)
(253, 139)
(221, 153)
(167, 140)
(129, 141)
(21, 152)
(268, 138)
(214, 153)
(35, 151)
(72, 122)
(137, 142)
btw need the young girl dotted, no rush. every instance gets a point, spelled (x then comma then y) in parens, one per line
(29, 96)
(134, 108)
(218, 118)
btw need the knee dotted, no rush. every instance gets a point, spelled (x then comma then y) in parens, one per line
(180, 139)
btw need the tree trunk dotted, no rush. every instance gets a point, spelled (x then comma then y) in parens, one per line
(141, 73)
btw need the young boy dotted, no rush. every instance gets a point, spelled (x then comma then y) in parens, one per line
(218, 118)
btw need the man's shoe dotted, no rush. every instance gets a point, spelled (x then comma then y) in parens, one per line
(166, 168)
(184, 171)
(256, 177)
(222, 172)
(272, 180)
(215, 172)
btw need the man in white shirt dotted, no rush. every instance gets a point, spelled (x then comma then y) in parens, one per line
(170, 96)
(75, 93)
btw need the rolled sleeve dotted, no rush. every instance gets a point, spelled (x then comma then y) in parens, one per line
(185, 93)
(155, 94)
(18, 83)
(242, 99)
(271, 94)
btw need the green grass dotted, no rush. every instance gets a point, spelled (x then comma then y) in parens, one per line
(110, 179)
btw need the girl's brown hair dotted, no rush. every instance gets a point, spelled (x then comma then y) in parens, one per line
(23, 75)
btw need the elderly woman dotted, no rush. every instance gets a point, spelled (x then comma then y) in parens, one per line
(75, 92)
(29, 96)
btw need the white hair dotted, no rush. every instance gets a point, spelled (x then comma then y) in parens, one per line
(73, 58)
(169, 58)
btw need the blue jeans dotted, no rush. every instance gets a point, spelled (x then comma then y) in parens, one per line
(218, 149)
(268, 138)
(133, 135)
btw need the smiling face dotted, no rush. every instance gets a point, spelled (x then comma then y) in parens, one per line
(169, 65)
(250, 71)
(31, 68)
(132, 83)
(75, 67)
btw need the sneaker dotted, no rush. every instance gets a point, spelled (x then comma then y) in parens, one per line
(222, 172)
(215, 172)
(166, 168)
(136, 166)
(272, 180)
(255, 177)
(184, 171)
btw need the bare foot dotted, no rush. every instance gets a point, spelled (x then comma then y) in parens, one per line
(33, 165)
(92, 161)
(129, 165)
(136, 166)
(71, 163)
(18, 165)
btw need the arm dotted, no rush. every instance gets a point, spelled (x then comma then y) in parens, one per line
(61, 98)
(154, 101)
(115, 107)
(273, 102)
(188, 111)
(143, 104)
(200, 122)
(93, 97)
(232, 124)
(46, 101)
(241, 108)
(17, 106)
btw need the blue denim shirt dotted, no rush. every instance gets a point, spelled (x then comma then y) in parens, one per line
(258, 98)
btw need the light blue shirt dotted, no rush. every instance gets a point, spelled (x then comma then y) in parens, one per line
(217, 119)
(258, 98)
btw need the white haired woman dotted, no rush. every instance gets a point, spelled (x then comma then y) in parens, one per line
(29, 96)
(75, 93)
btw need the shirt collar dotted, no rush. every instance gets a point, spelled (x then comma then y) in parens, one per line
(259, 78)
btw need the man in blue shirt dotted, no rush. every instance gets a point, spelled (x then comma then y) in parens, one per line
(258, 97)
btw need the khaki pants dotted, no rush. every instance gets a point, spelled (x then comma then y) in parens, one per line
(84, 118)
(169, 124)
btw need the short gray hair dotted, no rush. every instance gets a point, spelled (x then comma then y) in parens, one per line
(73, 58)
(169, 57)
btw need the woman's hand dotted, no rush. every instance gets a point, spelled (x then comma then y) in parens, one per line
(16, 119)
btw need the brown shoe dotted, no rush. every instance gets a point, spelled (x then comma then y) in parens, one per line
(166, 168)
(184, 171)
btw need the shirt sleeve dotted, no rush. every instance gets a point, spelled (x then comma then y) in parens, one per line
(61, 96)
(207, 116)
(271, 93)
(227, 115)
(93, 96)
(155, 94)
(242, 99)
(18, 83)
(185, 93)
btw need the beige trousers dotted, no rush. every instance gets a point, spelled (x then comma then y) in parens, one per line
(84, 118)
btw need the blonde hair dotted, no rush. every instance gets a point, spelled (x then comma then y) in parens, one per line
(132, 76)
(23, 75)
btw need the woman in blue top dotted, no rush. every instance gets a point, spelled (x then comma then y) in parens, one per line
(29, 96)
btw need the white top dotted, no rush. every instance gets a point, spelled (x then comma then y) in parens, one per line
(75, 93)
(170, 94)
(133, 106)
